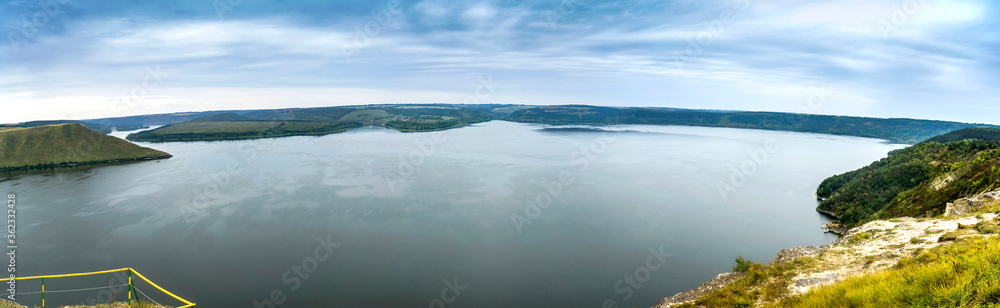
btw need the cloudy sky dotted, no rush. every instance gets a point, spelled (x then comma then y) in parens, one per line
(79, 59)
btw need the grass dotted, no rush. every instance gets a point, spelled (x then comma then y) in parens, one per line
(993, 207)
(950, 236)
(65, 144)
(987, 227)
(869, 261)
(861, 237)
(761, 283)
(964, 274)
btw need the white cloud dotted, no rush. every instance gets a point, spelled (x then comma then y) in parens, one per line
(480, 12)
(762, 60)
(433, 8)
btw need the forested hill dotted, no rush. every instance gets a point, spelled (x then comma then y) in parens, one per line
(917, 181)
(907, 131)
(241, 124)
(316, 121)
(968, 134)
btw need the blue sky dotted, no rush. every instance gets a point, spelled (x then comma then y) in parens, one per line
(79, 59)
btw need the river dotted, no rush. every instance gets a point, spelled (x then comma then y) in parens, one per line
(496, 214)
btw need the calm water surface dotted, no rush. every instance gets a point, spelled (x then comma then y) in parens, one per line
(225, 224)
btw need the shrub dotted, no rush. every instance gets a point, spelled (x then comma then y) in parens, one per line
(986, 227)
(950, 236)
(860, 237)
(742, 265)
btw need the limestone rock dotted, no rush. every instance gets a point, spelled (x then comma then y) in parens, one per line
(967, 206)
(720, 281)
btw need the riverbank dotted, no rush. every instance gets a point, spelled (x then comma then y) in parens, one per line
(862, 253)
(81, 164)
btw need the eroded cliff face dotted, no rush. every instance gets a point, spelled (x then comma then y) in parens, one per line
(967, 206)
(870, 248)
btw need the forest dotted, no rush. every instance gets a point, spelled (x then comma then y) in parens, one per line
(917, 181)
(313, 121)
(908, 131)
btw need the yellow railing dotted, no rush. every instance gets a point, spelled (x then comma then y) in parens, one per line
(131, 290)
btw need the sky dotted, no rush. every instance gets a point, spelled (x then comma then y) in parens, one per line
(83, 59)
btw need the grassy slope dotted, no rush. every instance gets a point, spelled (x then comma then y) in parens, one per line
(965, 274)
(101, 127)
(917, 181)
(64, 144)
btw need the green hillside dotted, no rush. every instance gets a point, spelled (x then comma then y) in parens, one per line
(968, 134)
(917, 181)
(65, 145)
(101, 127)
(314, 121)
(896, 130)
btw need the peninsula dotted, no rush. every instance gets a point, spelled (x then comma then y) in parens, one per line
(65, 145)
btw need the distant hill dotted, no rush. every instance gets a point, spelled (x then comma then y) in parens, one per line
(144, 121)
(63, 145)
(92, 125)
(917, 181)
(315, 121)
(986, 134)
(236, 124)
(908, 131)
(106, 125)
(229, 116)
